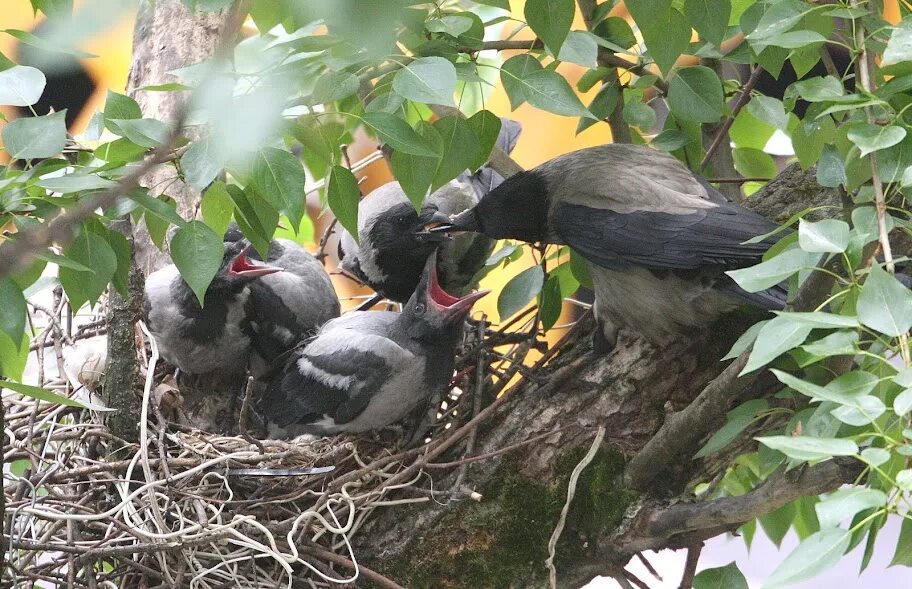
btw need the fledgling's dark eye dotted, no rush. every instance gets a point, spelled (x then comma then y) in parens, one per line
(420, 308)
(402, 220)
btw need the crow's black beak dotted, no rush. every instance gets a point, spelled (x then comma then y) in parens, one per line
(464, 221)
(425, 230)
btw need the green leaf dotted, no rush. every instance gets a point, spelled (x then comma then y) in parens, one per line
(451, 24)
(866, 410)
(814, 555)
(639, 114)
(846, 390)
(894, 161)
(550, 302)
(885, 304)
(773, 271)
(398, 134)
(769, 110)
(21, 85)
(486, 126)
(602, 106)
(517, 293)
(431, 80)
(118, 106)
(35, 137)
(12, 357)
(333, 86)
(53, 258)
(279, 178)
(460, 148)
(826, 236)
(197, 252)
(779, 18)
(157, 207)
(902, 404)
(869, 138)
(580, 48)
(776, 337)
(670, 140)
(754, 163)
(49, 396)
(695, 94)
(899, 47)
(416, 173)
(75, 183)
(342, 194)
(875, 456)
(257, 224)
(550, 20)
(12, 310)
(54, 8)
(513, 72)
(90, 250)
(665, 30)
(831, 170)
(709, 18)
(821, 319)
(839, 343)
(616, 31)
(202, 163)
(843, 504)
(903, 553)
(745, 341)
(144, 132)
(808, 448)
(737, 421)
(727, 577)
(820, 89)
(45, 45)
(548, 90)
(216, 207)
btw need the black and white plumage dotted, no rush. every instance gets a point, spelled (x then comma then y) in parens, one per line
(216, 336)
(285, 308)
(369, 369)
(657, 239)
(393, 249)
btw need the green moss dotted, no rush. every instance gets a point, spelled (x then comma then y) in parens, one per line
(503, 541)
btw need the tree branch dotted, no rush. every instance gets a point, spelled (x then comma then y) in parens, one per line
(722, 131)
(683, 524)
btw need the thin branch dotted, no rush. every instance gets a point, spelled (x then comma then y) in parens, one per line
(690, 566)
(722, 132)
(374, 576)
(571, 491)
(685, 524)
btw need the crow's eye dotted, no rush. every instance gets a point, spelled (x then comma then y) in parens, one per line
(420, 308)
(402, 220)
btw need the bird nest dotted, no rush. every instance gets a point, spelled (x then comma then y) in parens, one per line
(189, 508)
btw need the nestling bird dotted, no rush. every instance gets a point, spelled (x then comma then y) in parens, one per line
(216, 336)
(393, 246)
(656, 238)
(285, 308)
(366, 370)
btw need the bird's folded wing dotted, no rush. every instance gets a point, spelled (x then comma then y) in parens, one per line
(337, 377)
(682, 240)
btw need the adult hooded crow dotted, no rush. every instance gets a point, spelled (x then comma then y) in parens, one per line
(657, 238)
(216, 336)
(366, 370)
(393, 248)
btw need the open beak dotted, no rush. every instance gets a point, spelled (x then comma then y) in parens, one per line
(464, 221)
(242, 265)
(448, 305)
(424, 232)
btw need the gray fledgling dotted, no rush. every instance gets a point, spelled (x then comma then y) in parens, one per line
(216, 336)
(366, 370)
(285, 308)
(656, 238)
(393, 246)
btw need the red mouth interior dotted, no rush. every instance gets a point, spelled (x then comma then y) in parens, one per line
(242, 263)
(438, 295)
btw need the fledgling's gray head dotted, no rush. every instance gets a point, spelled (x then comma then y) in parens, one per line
(432, 315)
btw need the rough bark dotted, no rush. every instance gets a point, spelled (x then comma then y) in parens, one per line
(122, 386)
(167, 37)
(501, 540)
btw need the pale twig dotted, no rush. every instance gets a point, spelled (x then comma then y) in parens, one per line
(571, 491)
